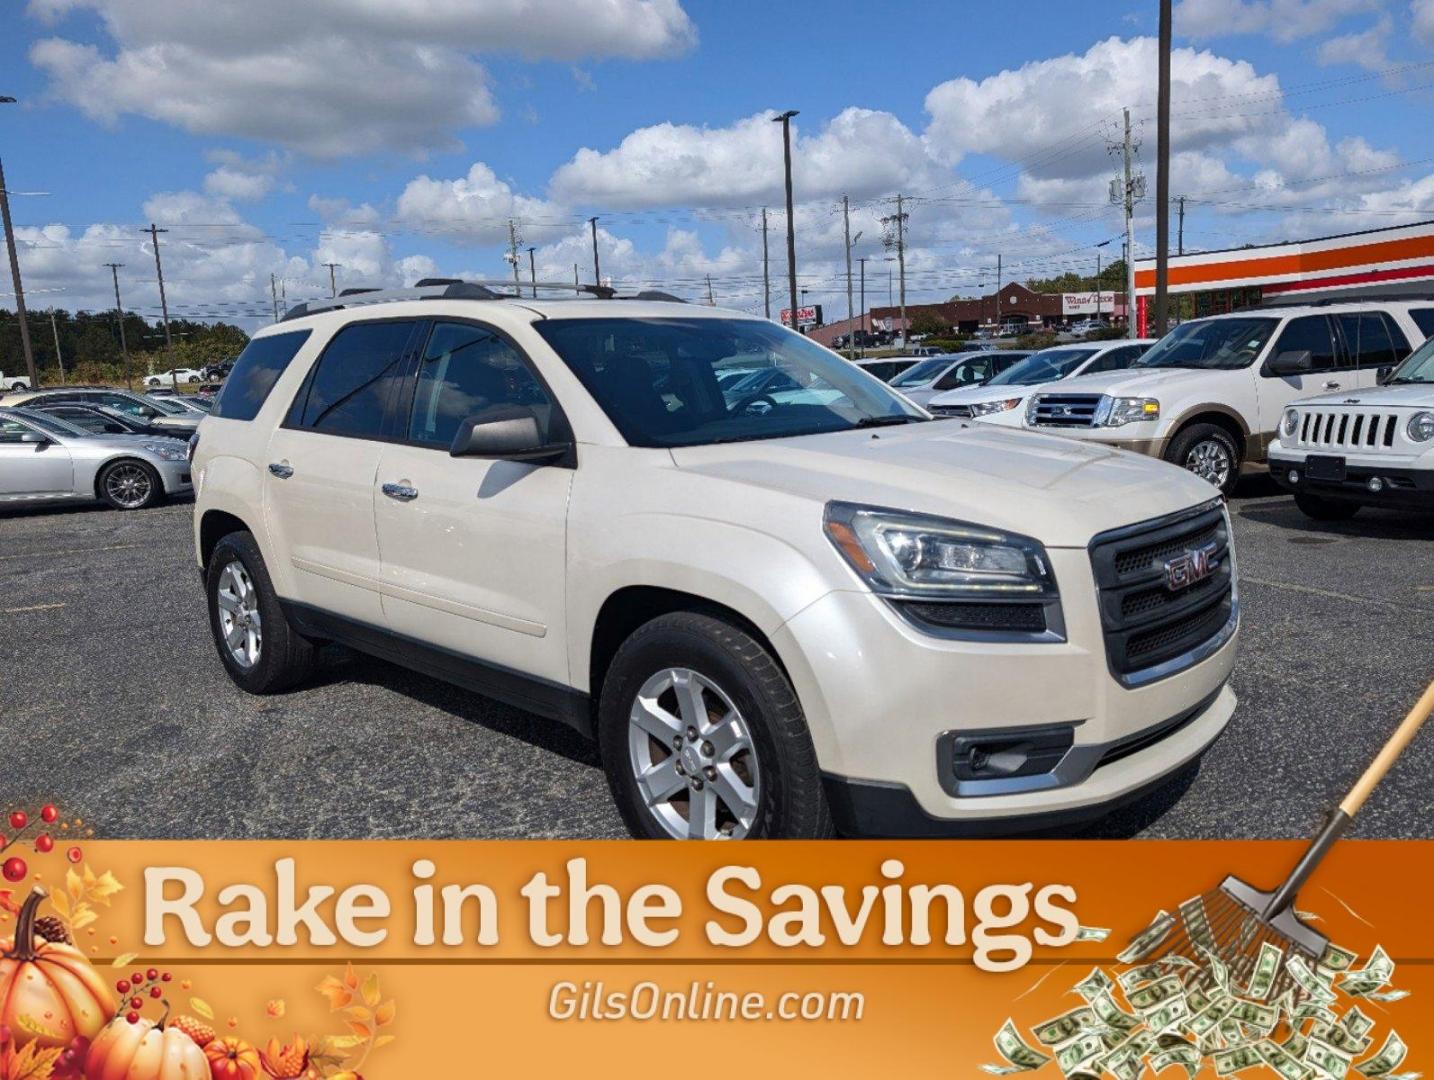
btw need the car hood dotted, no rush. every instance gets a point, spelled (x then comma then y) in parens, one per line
(973, 395)
(1149, 382)
(131, 441)
(1059, 491)
(1413, 396)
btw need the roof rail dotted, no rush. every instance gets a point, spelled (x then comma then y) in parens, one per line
(1359, 298)
(458, 289)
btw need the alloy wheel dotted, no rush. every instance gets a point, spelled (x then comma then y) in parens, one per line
(1210, 460)
(693, 757)
(239, 619)
(130, 486)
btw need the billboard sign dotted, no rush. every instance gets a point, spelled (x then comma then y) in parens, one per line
(806, 316)
(1085, 303)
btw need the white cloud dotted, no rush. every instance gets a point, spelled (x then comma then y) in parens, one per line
(239, 178)
(1365, 48)
(1283, 20)
(331, 77)
(1422, 13)
(472, 209)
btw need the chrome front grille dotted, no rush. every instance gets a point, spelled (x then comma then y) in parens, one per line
(1065, 410)
(961, 411)
(1347, 429)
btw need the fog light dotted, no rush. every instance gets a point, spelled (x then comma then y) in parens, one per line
(1375, 485)
(1293, 476)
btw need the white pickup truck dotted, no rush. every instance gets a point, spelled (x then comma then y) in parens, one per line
(14, 382)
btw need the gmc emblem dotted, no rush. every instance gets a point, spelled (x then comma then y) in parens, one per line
(1193, 565)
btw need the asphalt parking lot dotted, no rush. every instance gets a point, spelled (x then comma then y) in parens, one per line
(113, 702)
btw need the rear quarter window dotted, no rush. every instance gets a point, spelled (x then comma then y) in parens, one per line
(1424, 319)
(255, 372)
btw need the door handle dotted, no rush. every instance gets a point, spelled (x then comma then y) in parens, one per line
(1331, 385)
(401, 492)
(282, 469)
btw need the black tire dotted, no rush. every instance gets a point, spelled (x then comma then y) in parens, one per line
(193, 378)
(1185, 447)
(286, 658)
(790, 801)
(1322, 509)
(113, 481)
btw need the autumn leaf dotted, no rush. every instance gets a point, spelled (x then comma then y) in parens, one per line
(384, 1014)
(359, 1013)
(84, 915)
(351, 979)
(276, 1008)
(102, 888)
(7, 902)
(383, 1040)
(337, 993)
(123, 960)
(337, 1043)
(363, 1031)
(61, 903)
(202, 1007)
(371, 993)
(30, 1063)
(74, 885)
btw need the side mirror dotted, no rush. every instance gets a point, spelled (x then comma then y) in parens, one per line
(1385, 374)
(507, 433)
(1293, 362)
(34, 437)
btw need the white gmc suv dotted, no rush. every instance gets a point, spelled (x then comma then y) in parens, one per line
(1339, 452)
(1211, 393)
(779, 616)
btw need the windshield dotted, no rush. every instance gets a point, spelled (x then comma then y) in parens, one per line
(1047, 366)
(1419, 368)
(922, 372)
(169, 408)
(657, 380)
(1212, 344)
(53, 424)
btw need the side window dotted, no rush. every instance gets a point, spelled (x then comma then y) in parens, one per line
(1115, 359)
(128, 405)
(466, 370)
(1424, 319)
(964, 374)
(11, 431)
(255, 372)
(356, 382)
(1367, 338)
(1310, 333)
(1396, 335)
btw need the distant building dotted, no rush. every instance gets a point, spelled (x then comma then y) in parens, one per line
(1015, 305)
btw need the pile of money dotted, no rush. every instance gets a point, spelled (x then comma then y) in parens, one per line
(1299, 1018)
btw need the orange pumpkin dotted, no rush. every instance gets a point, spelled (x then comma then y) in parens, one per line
(232, 1059)
(49, 994)
(144, 1051)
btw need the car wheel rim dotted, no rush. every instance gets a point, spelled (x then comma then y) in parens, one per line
(239, 620)
(129, 485)
(1210, 461)
(693, 757)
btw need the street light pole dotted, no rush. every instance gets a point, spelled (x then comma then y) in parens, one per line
(15, 272)
(533, 271)
(785, 119)
(154, 232)
(1162, 176)
(119, 316)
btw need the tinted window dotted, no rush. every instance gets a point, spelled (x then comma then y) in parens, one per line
(356, 382)
(11, 431)
(966, 373)
(1308, 334)
(1211, 344)
(1045, 366)
(466, 370)
(1424, 319)
(127, 405)
(1368, 339)
(91, 421)
(1116, 359)
(255, 372)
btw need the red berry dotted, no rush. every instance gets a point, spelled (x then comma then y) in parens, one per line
(74, 854)
(132, 1017)
(152, 974)
(155, 991)
(68, 1057)
(122, 986)
(14, 869)
(136, 1003)
(19, 819)
(137, 978)
(165, 977)
(44, 844)
(48, 813)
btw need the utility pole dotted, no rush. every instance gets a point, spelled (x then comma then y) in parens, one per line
(154, 232)
(1181, 235)
(850, 313)
(575, 275)
(1097, 285)
(1124, 192)
(864, 327)
(58, 358)
(533, 271)
(333, 282)
(274, 295)
(999, 270)
(766, 276)
(513, 255)
(19, 289)
(1162, 177)
(597, 266)
(899, 220)
(786, 121)
(710, 301)
(119, 316)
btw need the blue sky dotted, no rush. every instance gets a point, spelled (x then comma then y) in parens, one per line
(398, 137)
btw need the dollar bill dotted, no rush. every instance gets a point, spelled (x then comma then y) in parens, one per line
(1208, 1019)
(1267, 967)
(1313, 1010)
(1149, 939)
(1329, 1060)
(1168, 1015)
(1308, 981)
(1262, 1017)
(1064, 1028)
(1094, 985)
(1336, 959)
(1186, 1056)
(1296, 1044)
(1155, 994)
(1391, 1055)
(1197, 998)
(1355, 1022)
(1387, 995)
(1217, 969)
(1071, 1057)
(1236, 1059)
(1145, 973)
(1282, 1061)
(1014, 1049)
(1340, 1037)
(1197, 923)
(1112, 1015)
(1375, 974)
(1092, 933)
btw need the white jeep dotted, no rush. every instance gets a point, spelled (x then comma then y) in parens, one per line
(13, 382)
(778, 615)
(1338, 452)
(1210, 394)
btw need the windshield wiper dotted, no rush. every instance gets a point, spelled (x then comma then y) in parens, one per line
(1407, 382)
(886, 421)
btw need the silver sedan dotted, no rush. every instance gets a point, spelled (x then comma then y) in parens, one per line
(44, 459)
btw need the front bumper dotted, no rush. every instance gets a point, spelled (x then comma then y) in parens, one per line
(1118, 438)
(1408, 480)
(176, 477)
(880, 697)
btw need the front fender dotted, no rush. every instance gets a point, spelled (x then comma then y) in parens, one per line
(234, 486)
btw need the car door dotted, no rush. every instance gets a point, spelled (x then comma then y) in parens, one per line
(472, 550)
(322, 461)
(1373, 343)
(40, 469)
(1329, 370)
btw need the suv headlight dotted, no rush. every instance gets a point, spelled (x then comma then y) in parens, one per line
(986, 408)
(1421, 426)
(169, 453)
(907, 555)
(1127, 410)
(1291, 423)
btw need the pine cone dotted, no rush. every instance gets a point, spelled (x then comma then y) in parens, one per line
(52, 929)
